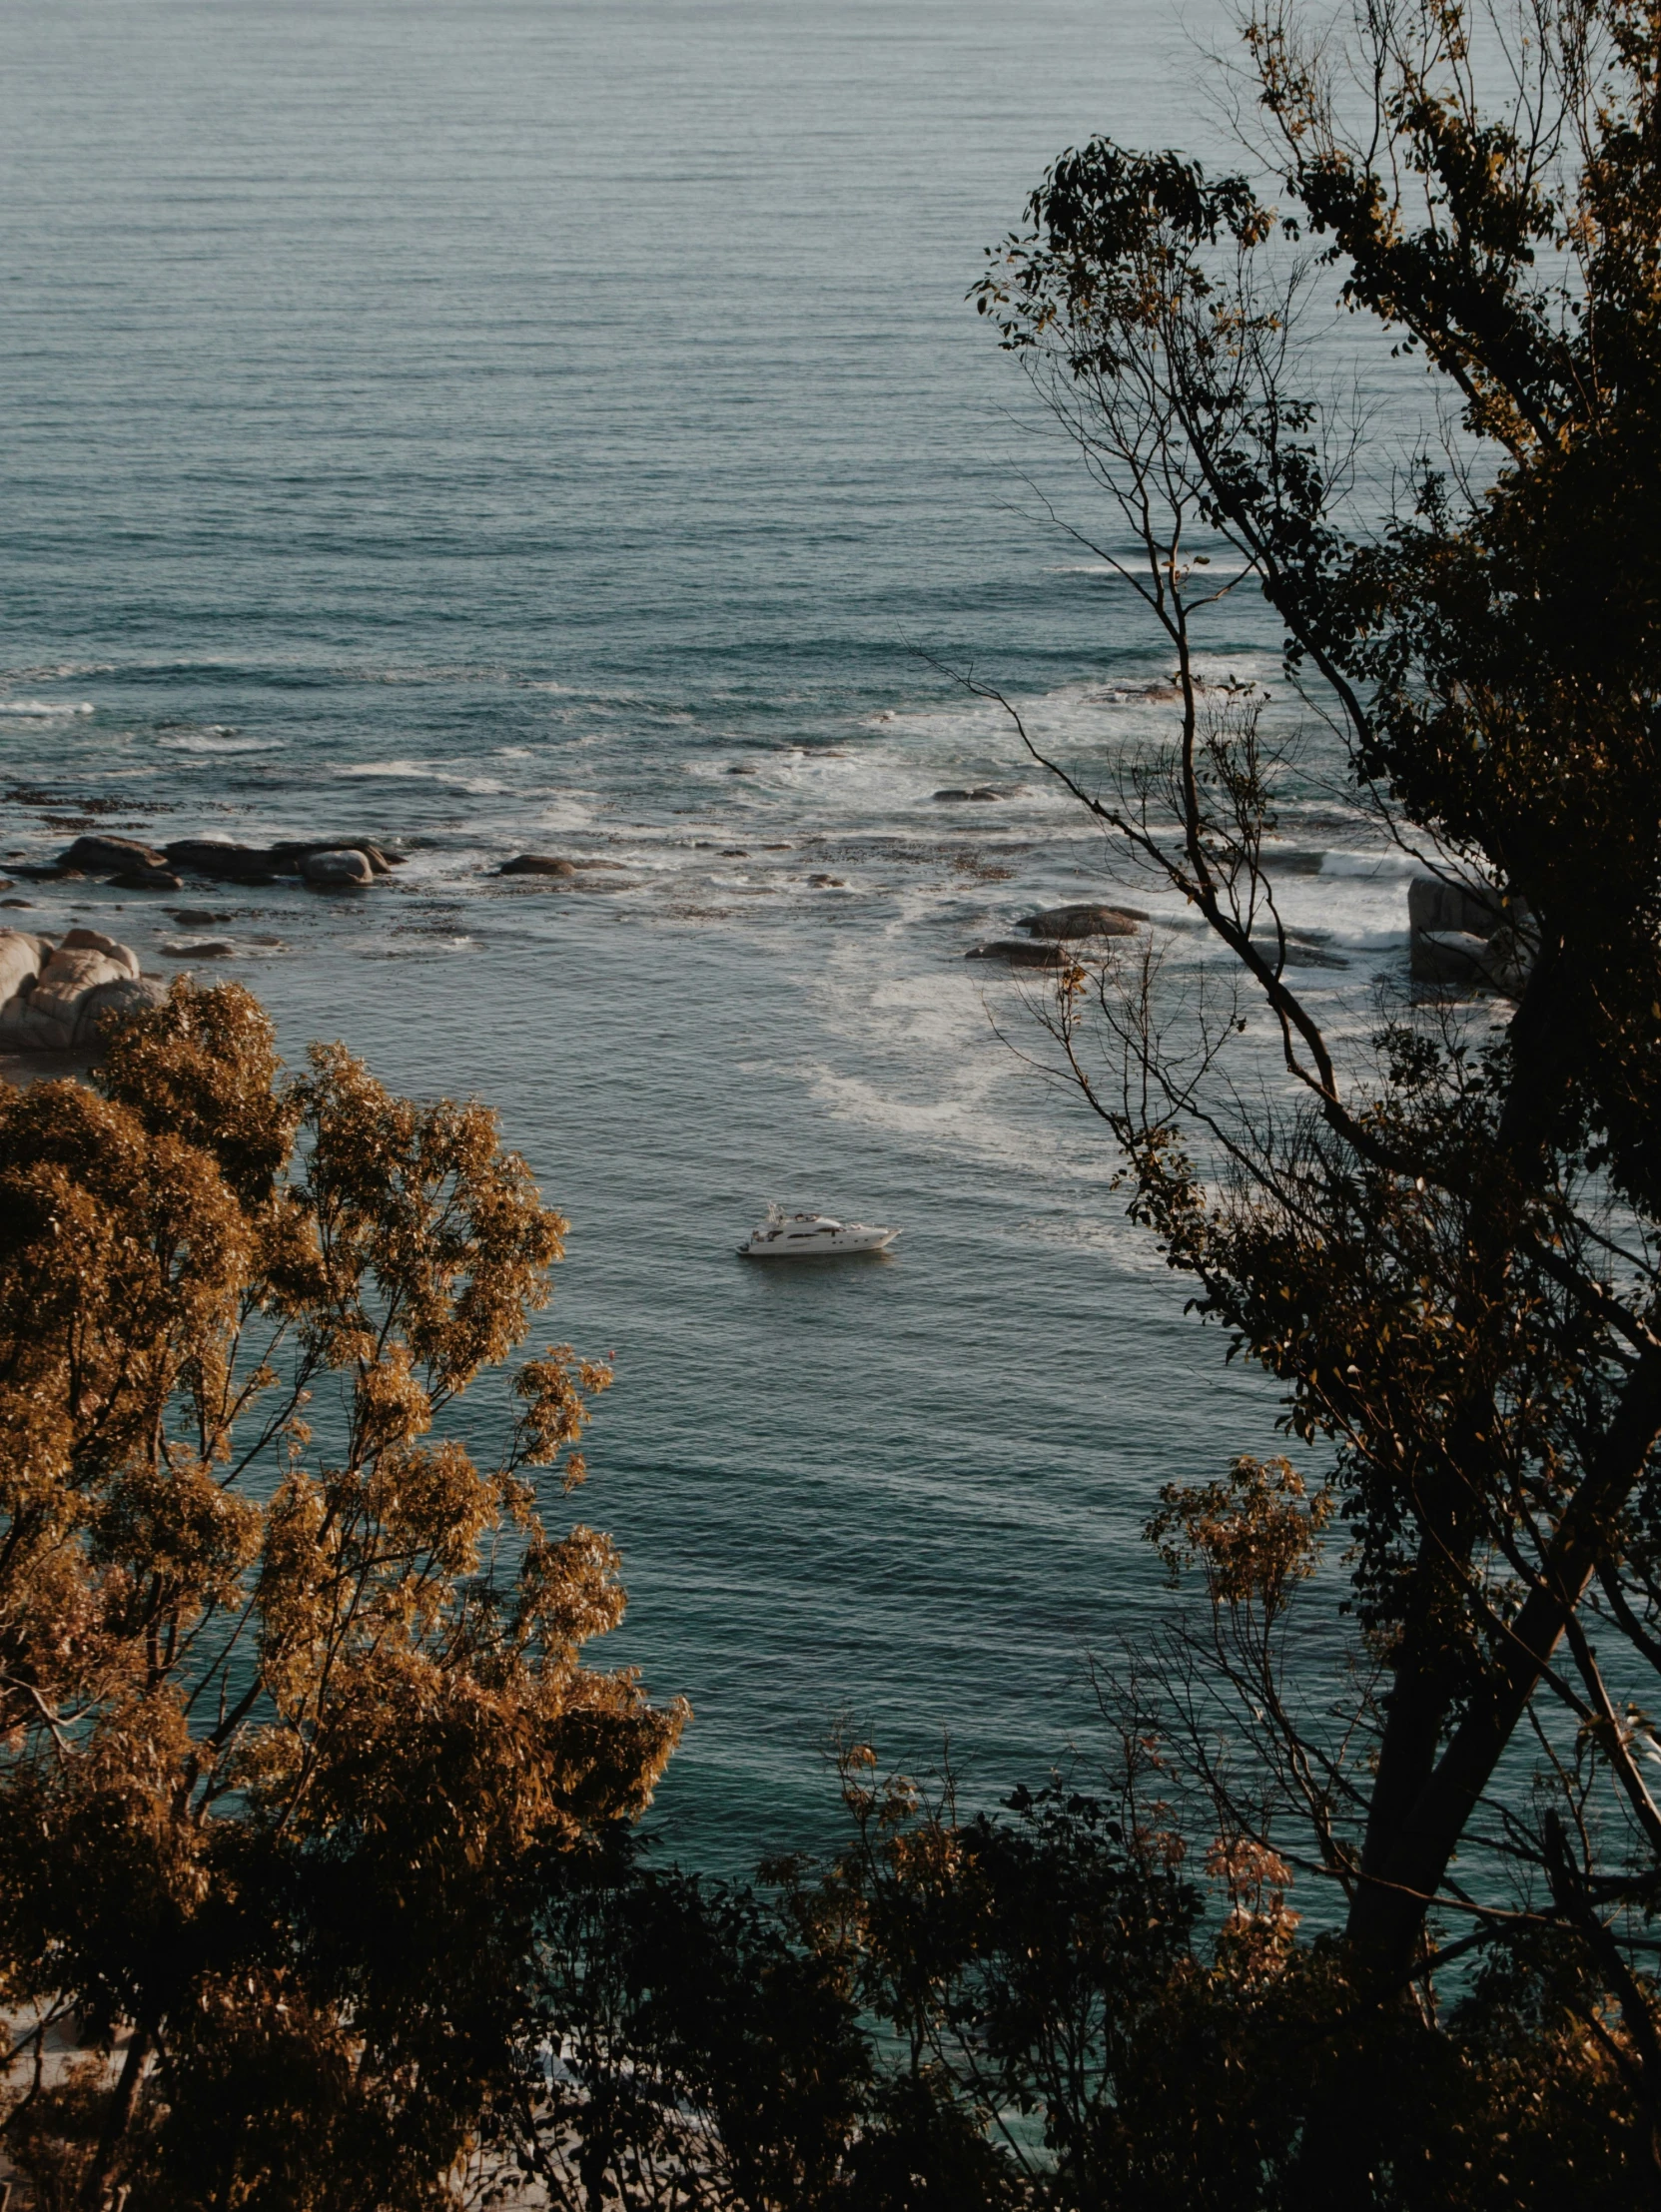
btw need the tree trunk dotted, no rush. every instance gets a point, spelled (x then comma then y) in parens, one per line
(117, 2120)
(1388, 1916)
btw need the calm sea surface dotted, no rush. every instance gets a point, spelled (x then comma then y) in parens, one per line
(560, 426)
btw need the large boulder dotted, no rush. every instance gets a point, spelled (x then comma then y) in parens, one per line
(537, 864)
(43, 1019)
(1453, 905)
(21, 1031)
(64, 981)
(290, 854)
(22, 957)
(1083, 920)
(113, 1002)
(224, 863)
(1450, 956)
(104, 856)
(95, 940)
(1297, 949)
(147, 879)
(1468, 962)
(1020, 951)
(56, 1006)
(1466, 935)
(264, 863)
(339, 869)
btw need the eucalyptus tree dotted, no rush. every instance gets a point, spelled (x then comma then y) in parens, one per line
(294, 1714)
(1439, 1237)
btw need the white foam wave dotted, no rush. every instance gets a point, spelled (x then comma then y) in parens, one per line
(1372, 866)
(416, 674)
(415, 771)
(566, 814)
(219, 741)
(45, 708)
(62, 672)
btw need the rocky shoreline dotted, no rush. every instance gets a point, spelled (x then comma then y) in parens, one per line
(1463, 937)
(58, 995)
(336, 863)
(56, 990)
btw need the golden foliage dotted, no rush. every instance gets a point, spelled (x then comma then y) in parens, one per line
(1256, 1534)
(291, 1683)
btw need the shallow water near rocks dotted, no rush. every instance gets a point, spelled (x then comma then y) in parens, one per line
(559, 427)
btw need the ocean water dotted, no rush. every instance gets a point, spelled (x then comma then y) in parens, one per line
(560, 426)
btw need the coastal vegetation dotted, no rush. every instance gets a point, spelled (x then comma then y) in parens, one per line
(1438, 1233)
(319, 1879)
(292, 1682)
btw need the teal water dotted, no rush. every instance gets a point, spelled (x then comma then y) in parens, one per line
(561, 427)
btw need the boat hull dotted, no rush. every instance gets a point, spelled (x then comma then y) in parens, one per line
(848, 1247)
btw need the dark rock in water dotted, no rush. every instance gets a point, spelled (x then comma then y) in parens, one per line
(290, 854)
(981, 791)
(195, 918)
(1128, 694)
(16, 902)
(148, 879)
(48, 872)
(1467, 936)
(537, 864)
(828, 883)
(203, 856)
(213, 947)
(1450, 956)
(1083, 920)
(1299, 952)
(1468, 962)
(265, 864)
(1284, 861)
(1470, 908)
(1020, 951)
(103, 856)
(343, 867)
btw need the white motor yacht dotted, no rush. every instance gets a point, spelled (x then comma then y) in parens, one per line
(811, 1236)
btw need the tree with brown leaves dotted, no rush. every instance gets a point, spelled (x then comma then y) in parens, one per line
(1437, 1228)
(296, 1715)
